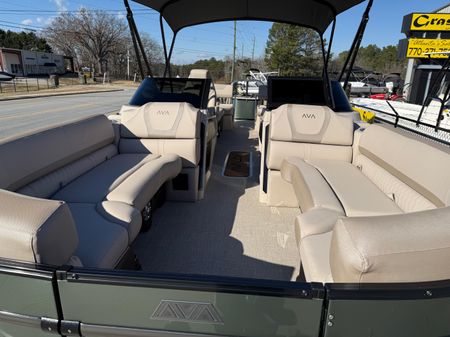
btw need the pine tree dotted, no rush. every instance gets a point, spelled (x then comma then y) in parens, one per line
(293, 50)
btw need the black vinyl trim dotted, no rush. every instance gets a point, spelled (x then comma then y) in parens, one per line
(265, 168)
(195, 283)
(388, 291)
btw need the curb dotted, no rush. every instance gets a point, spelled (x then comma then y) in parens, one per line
(13, 98)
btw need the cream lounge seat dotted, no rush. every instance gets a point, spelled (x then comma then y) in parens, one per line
(102, 191)
(383, 218)
(305, 131)
(167, 129)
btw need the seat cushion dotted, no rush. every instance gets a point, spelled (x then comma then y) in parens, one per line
(310, 187)
(421, 165)
(36, 230)
(140, 187)
(188, 149)
(315, 221)
(101, 243)
(122, 214)
(94, 186)
(357, 194)
(31, 157)
(412, 247)
(315, 257)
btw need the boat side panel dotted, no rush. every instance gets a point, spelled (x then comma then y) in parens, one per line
(388, 318)
(24, 299)
(122, 308)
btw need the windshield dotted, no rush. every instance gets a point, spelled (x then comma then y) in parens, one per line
(193, 91)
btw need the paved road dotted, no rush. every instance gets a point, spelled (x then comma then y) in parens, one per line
(26, 115)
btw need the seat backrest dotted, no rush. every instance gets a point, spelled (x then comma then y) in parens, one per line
(224, 90)
(309, 132)
(31, 157)
(205, 74)
(162, 128)
(414, 173)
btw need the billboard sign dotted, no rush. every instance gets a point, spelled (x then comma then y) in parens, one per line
(421, 48)
(426, 22)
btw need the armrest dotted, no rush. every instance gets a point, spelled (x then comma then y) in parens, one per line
(412, 247)
(36, 230)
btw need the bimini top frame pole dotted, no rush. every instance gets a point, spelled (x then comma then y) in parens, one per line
(314, 14)
(137, 42)
(351, 58)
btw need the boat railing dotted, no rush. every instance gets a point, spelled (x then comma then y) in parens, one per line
(432, 131)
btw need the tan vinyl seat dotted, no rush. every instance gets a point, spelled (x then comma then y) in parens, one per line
(390, 196)
(132, 179)
(102, 243)
(167, 130)
(304, 131)
(79, 163)
(36, 230)
(413, 247)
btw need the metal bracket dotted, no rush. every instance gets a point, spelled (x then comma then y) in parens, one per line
(70, 328)
(50, 325)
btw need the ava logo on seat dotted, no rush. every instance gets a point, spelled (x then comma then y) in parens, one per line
(163, 113)
(309, 116)
(193, 312)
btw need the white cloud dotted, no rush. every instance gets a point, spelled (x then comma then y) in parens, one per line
(44, 21)
(60, 4)
(27, 22)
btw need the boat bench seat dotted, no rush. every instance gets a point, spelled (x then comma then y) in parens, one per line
(164, 129)
(100, 188)
(383, 218)
(305, 131)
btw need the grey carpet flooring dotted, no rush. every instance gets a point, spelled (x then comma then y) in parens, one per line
(229, 233)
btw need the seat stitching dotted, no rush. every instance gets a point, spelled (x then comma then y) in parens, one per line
(361, 255)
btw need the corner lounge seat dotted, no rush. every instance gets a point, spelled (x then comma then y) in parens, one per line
(166, 130)
(103, 190)
(384, 218)
(308, 132)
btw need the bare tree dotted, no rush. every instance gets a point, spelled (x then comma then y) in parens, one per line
(100, 39)
(95, 34)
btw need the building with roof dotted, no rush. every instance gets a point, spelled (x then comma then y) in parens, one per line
(33, 63)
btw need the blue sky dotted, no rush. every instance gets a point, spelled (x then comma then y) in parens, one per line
(215, 40)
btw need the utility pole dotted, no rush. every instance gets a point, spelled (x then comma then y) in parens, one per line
(253, 51)
(233, 65)
(128, 64)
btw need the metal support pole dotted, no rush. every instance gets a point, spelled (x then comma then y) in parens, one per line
(326, 77)
(137, 42)
(163, 37)
(169, 57)
(350, 61)
(233, 65)
(330, 44)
